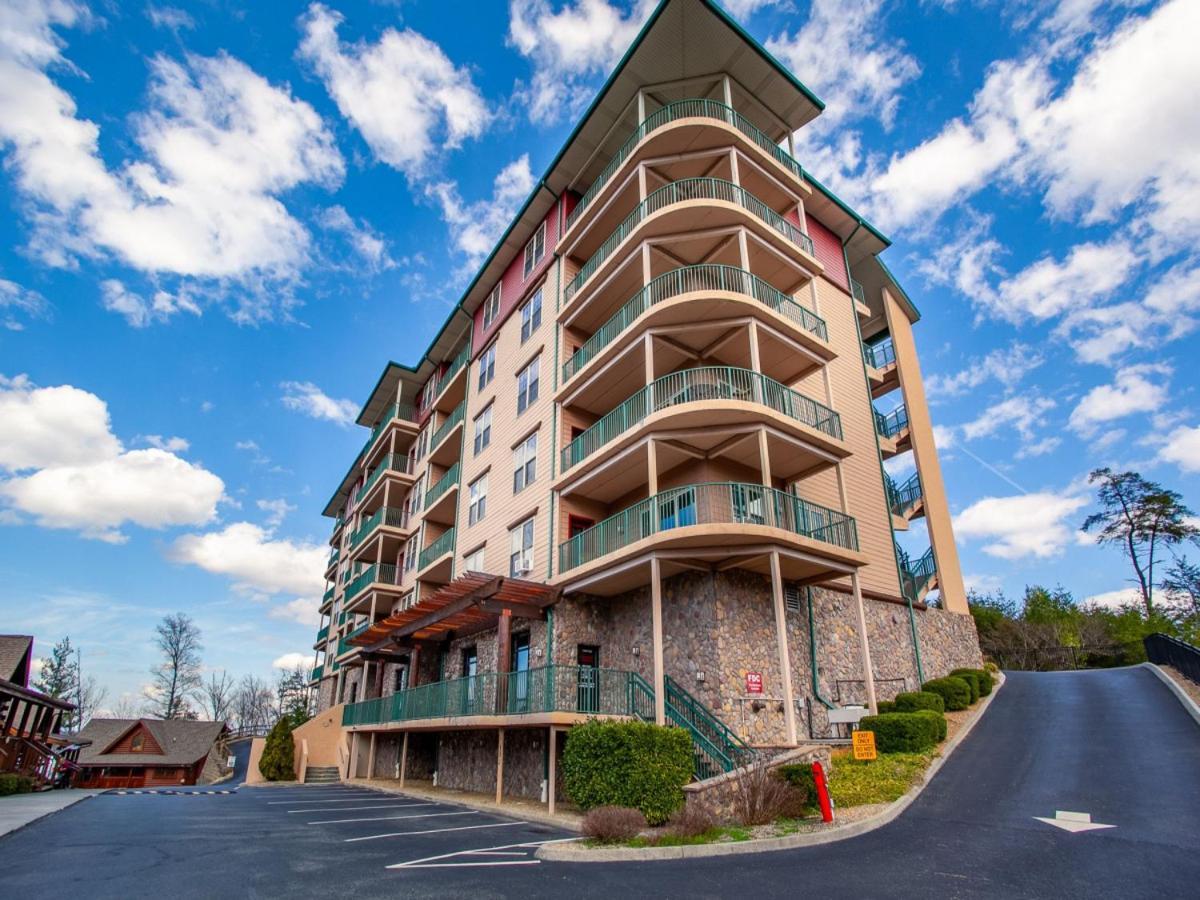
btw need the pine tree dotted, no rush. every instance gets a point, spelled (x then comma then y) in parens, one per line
(59, 678)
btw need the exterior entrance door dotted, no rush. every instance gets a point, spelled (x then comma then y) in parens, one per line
(470, 692)
(519, 691)
(588, 692)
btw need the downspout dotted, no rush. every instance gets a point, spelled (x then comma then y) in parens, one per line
(812, 646)
(912, 618)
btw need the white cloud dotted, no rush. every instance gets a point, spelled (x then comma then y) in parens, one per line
(171, 444)
(475, 227)
(840, 54)
(276, 510)
(292, 661)
(16, 299)
(302, 611)
(569, 48)
(140, 312)
(53, 426)
(367, 243)
(1114, 600)
(981, 584)
(1183, 449)
(169, 17)
(402, 93)
(1005, 365)
(305, 397)
(1132, 391)
(1025, 525)
(257, 561)
(1022, 414)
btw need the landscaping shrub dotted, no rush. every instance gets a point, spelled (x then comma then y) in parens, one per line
(800, 776)
(901, 732)
(938, 720)
(912, 701)
(983, 675)
(971, 677)
(955, 692)
(887, 706)
(632, 764)
(610, 824)
(15, 784)
(692, 820)
(279, 753)
(760, 797)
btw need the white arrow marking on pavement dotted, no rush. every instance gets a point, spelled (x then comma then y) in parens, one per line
(1073, 822)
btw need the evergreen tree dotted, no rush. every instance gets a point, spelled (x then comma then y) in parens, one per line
(59, 678)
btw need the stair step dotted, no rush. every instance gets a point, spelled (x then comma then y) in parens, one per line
(321, 774)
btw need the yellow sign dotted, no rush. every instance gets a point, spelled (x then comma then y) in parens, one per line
(864, 744)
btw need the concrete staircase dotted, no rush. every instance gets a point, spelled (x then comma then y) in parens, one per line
(321, 775)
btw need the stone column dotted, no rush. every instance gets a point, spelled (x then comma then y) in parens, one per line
(781, 644)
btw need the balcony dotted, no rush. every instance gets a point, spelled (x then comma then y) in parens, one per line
(699, 279)
(675, 112)
(317, 672)
(441, 450)
(323, 633)
(917, 577)
(493, 697)
(396, 464)
(892, 428)
(688, 190)
(747, 515)
(333, 560)
(452, 389)
(390, 517)
(442, 497)
(397, 412)
(882, 372)
(437, 552)
(378, 576)
(328, 595)
(709, 395)
(344, 646)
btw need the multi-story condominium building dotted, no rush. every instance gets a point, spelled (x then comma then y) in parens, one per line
(639, 471)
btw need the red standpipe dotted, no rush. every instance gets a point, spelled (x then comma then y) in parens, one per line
(822, 793)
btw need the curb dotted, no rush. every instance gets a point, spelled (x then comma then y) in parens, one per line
(572, 852)
(1188, 703)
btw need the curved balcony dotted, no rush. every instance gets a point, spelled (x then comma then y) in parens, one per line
(699, 279)
(678, 113)
(706, 191)
(706, 394)
(723, 513)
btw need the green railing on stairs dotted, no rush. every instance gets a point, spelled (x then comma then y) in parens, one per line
(903, 497)
(677, 192)
(891, 424)
(688, 279)
(915, 575)
(683, 109)
(443, 545)
(695, 385)
(443, 484)
(701, 504)
(880, 354)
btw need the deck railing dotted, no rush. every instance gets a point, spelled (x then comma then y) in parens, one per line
(694, 385)
(891, 424)
(688, 279)
(683, 109)
(856, 290)
(677, 192)
(443, 484)
(902, 497)
(393, 462)
(390, 516)
(396, 410)
(880, 354)
(452, 420)
(376, 573)
(443, 545)
(706, 504)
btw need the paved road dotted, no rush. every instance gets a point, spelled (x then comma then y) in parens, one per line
(1114, 744)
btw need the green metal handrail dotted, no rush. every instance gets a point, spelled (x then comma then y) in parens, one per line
(695, 385)
(856, 290)
(677, 192)
(891, 424)
(323, 632)
(382, 573)
(343, 644)
(316, 673)
(915, 577)
(553, 688)
(333, 557)
(454, 368)
(393, 462)
(710, 757)
(443, 545)
(452, 420)
(328, 595)
(881, 354)
(704, 504)
(902, 497)
(706, 277)
(683, 109)
(396, 410)
(447, 481)
(390, 516)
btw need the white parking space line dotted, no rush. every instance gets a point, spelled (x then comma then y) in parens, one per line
(376, 837)
(435, 862)
(468, 812)
(358, 798)
(342, 809)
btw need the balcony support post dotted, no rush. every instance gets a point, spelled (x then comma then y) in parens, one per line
(781, 643)
(652, 467)
(743, 252)
(649, 373)
(734, 172)
(379, 678)
(764, 459)
(642, 183)
(499, 764)
(660, 686)
(727, 88)
(414, 668)
(403, 759)
(864, 644)
(371, 757)
(641, 107)
(553, 740)
(503, 663)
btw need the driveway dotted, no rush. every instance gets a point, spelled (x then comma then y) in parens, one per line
(1112, 744)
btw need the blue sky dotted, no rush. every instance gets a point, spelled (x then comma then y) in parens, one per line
(221, 220)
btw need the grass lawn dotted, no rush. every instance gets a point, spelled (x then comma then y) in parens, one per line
(858, 782)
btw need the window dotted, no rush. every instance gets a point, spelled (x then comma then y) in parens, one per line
(422, 442)
(401, 676)
(474, 562)
(527, 386)
(491, 307)
(535, 249)
(525, 463)
(531, 316)
(414, 498)
(520, 547)
(138, 743)
(410, 553)
(487, 366)
(483, 429)
(429, 392)
(477, 505)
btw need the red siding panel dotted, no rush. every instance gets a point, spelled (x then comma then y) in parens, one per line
(829, 251)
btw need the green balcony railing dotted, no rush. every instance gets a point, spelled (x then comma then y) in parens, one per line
(672, 112)
(891, 424)
(903, 497)
(917, 575)
(443, 545)
(856, 290)
(685, 280)
(333, 557)
(316, 673)
(454, 419)
(396, 410)
(456, 365)
(390, 516)
(694, 385)
(327, 596)
(555, 688)
(707, 504)
(323, 633)
(880, 354)
(344, 646)
(393, 462)
(377, 573)
(443, 484)
(677, 192)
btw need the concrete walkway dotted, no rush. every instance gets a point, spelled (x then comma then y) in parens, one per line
(19, 810)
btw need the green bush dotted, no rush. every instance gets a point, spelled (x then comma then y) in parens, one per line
(954, 691)
(279, 753)
(901, 732)
(911, 702)
(800, 775)
(971, 677)
(887, 706)
(983, 675)
(938, 720)
(15, 784)
(632, 764)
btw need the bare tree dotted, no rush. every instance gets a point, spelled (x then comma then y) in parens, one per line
(253, 703)
(177, 677)
(218, 696)
(125, 708)
(88, 697)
